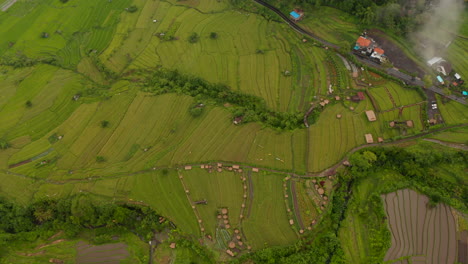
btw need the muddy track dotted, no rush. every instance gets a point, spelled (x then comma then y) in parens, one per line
(251, 193)
(448, 144)
(296, 208)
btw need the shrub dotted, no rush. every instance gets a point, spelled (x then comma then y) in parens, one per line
(4, 144)
(100, 159)
(132, 9)
(28, 104)
(193, 38)
(196, 111)
(104, 123)
(213, 35)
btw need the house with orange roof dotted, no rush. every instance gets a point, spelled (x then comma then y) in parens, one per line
(362, 43)
(378, 53)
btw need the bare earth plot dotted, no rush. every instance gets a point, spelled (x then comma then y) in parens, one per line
(109, 253)
(426, 235)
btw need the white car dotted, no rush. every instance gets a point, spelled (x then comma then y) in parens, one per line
(434, 106)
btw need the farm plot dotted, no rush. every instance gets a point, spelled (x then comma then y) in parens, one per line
(403, 96)
(219, 190)
(456, 57)
(331, 24)
(382, 98)
(164, 192)
(455, 136)
(308, 201)
(427, 235)
(453, 112)
(268, 221)
(109, 253)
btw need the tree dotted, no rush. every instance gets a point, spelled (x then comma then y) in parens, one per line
(213, 35)
(28, 104)
(43, 214)
(193, 38)
(83, 211)
(132, 9)
(362, 162)
(196, 111)
(104, 123)
(427, 81)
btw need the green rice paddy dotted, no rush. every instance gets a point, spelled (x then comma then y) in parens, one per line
(95, 50)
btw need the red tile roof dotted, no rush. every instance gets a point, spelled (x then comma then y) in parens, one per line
(361, 96)
(363, 42)
(379, 50)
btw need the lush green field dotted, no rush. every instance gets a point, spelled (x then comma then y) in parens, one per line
(76, 120)
(268, 223)
(455, 135)
(453, 112)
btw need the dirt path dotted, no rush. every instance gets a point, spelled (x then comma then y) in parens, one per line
(296, 208)
(192, 204)
(251, 193)
(390, 96)
(401, 108)
(448, 144)
(373, 102)
(7, 5)
(43, 154)
(327, 172)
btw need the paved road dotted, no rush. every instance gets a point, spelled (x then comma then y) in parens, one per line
(408, 79)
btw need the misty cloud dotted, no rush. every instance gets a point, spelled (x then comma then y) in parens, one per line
(440, 23)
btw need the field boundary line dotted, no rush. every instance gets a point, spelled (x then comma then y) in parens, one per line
(323, 173)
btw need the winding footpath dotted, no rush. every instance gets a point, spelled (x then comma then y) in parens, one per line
(327, 172)
(405, 78)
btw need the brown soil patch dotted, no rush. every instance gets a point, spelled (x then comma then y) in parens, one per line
(53, 243)
(32, 254)
(394, 53)
(109, 253)
(418, 230)
(463, 248)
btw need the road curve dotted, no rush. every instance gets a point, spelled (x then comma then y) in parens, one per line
(407, 79)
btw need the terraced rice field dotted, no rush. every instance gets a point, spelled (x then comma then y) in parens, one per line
(268, 223)
(453, 112)
(219, 190)
(426, 235)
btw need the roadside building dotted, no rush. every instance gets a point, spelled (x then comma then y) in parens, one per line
(378, 54)
(297, 14)
(358, 97)
(440, 65)
(440, 79)
(362, 43)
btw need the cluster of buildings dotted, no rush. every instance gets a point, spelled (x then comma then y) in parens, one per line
(297, 14)
(368, 47)
(446, 73)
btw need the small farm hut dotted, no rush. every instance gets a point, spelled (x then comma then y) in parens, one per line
(371, 115)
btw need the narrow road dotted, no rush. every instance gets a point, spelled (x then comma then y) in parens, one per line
(407, 79)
